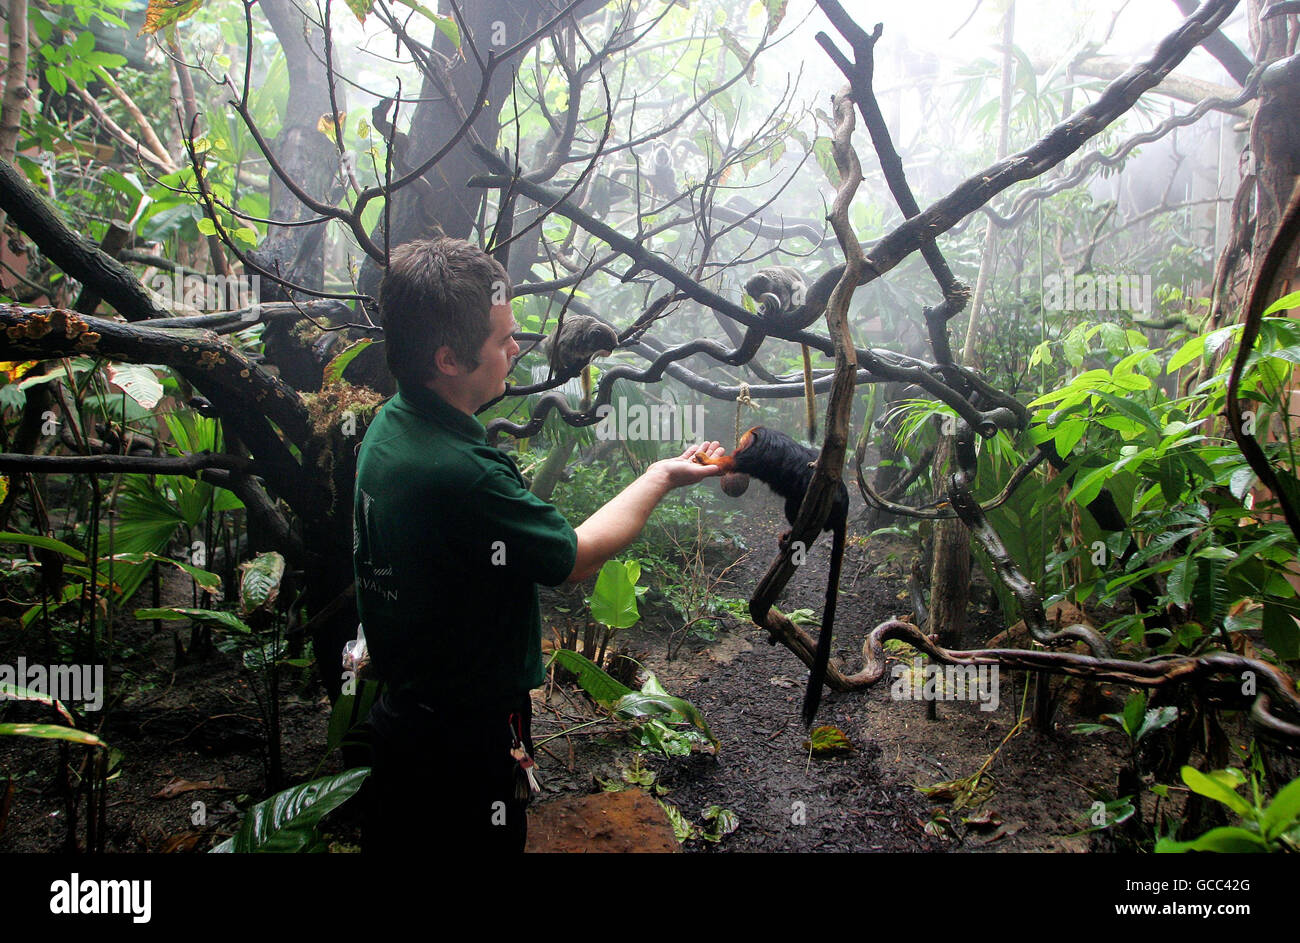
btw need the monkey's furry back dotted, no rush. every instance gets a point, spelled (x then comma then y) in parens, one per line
(778, 288)
(785, 466)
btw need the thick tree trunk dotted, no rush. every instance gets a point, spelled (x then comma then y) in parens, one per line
(950, 572)
(308, 156)
(1275, 141)
(16, 90)
(310, 159)
(548, 476)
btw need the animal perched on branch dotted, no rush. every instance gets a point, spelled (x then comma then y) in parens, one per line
(579, 339)
(781, 290)
(786, 467)
(663, 174)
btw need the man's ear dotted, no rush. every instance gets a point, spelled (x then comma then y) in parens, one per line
(445, 360)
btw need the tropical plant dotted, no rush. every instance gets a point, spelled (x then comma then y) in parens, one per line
(1266, 827)
(289, 821)
(656, 716)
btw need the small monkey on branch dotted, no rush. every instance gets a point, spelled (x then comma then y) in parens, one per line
(576, 342)
(781, 290)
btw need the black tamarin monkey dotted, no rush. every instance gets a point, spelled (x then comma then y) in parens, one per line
(786, 467)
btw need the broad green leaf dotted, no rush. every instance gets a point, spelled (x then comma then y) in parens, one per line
(1132, 381)
(1155, 719)
(208, 581)
(1212, 788)
(1216, 553)
(613, 602)
(1126, 427)
(1182, 581)
(654, 735)
(263, 657)
(1114, 338)
(652, 684)
(593, 679)
(1087, 382)
(1286, 302)
(1074, 348)
(287, 822)
(823, 152)
(445, 22)
(1134, 710)
(1281, 632)
(16, 692)
(1282, 812)
(11, 397)
(636, 705)
(1068, 434)
(83, 44)
(1089, 486)
(1210, 594)
(51, 732)
(1231, 777)
(334, 369)
(217, 617)
(1241, 481)
(1230, 839)
(137, 381)
(260, 582)
(1131, 409)
(1134, 362)
(79, 366)
(45, 543)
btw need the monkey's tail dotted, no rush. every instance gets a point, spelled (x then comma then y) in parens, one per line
(822, 658)
(809, 397)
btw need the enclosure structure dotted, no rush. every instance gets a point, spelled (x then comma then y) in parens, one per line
(1087, 370)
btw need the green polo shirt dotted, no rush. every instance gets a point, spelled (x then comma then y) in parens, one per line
(448, 549)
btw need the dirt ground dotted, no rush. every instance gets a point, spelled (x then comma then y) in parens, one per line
(190, 739)
(1039, 787)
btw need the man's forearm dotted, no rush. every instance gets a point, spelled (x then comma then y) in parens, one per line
(617, 524)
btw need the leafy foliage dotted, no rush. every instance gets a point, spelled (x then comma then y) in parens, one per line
(1266, 828)
(289, 821)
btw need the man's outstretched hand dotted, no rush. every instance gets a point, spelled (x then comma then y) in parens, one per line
(684, 470)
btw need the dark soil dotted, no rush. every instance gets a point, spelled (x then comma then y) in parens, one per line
(191, 739)
(750, 692)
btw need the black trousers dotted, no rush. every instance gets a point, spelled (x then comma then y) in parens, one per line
(443, 778)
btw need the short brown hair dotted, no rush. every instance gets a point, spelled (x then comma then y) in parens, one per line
(437, 292)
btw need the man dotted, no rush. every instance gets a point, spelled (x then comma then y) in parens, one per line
(449, 547)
